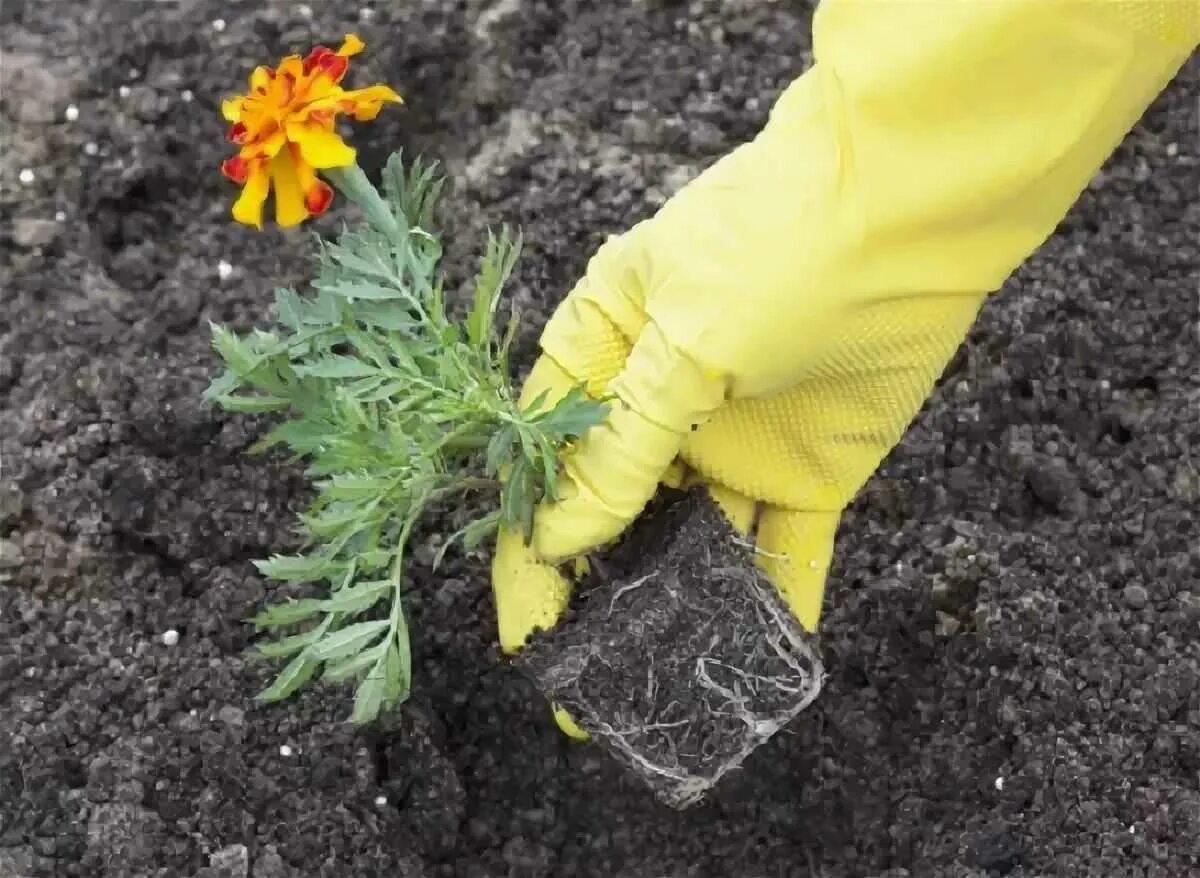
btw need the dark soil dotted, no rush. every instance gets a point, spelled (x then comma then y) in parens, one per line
(1012, 634)
(680, 658)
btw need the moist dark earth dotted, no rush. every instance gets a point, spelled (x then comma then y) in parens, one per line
(1012, 626)
(678, 656)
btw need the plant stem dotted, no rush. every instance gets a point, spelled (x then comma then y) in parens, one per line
(352, 182)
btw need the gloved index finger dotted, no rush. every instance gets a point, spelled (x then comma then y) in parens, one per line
(592, 332)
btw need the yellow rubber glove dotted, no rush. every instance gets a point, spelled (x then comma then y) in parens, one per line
(780, 321)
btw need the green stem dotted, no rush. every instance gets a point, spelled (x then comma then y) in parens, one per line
(352, 182)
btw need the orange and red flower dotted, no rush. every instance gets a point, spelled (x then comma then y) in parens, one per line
(285, 130)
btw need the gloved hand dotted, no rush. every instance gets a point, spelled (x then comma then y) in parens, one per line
(778, 323)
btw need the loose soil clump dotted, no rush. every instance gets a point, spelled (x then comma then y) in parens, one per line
(680, 659)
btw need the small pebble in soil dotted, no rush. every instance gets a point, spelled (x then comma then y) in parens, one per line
(60, 216)
(304, 10)
(91, 148)
(1136, 596)
(224, 269)
(218, 24)
(71, 113)
(1000, 783)
(186, 95)
(285, 750)
(170, 637)
(27, 176)
(380, 801)
(124, 91)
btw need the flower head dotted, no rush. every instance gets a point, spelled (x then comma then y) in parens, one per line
(285, 130)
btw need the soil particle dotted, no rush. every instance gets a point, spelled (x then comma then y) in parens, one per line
(681, 660)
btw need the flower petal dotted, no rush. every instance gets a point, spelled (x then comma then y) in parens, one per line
(265, 145)
(248, 209)
(365, 103)
(290, 209)
(319, 145)
(317, 193)
(260, 79)
(236, 169)
(351, 46)
(232, 109)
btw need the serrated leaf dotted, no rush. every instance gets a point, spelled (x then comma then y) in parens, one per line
(287, 613)
(289, 308)
(499, 450)
(497, 264)
(288, 645)
(336, 366)
(298, 568)
(234, 350)
(356, 487)
(549, 462)
(364, 291)
(298, 672)
(223, 384)
(392, 316)
(347, 668)
(397, 674)
(369, 697)
(572, 416)
(350, 639)
(359, 597)
(252, 404)
(392, 390)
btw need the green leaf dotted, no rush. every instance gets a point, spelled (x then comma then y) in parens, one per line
(336, 366)
(227, 382)
(298, 672)
(298, 568)
(393, 316)
(359, 597)
(549, 461)
(369, 698)
(499, 450)
(236, 353)
(289, 308)
(497, 264)
(288, 613)
(397, 674)
(253, 404)
(288, 645)
(347, 668)
(369, 292)
(356, 487)
(573, 415)
(350, 639)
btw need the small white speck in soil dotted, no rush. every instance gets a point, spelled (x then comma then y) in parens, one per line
(170, 637)
(304, 10)
(1000, 783)
(218, 24)
(224, 269)
(380, 801)
(186, 95)
(72, 113)
(27, 176)
(366, 14)
(90, 148)
(60, 216)
(123, 91)
(285, 750)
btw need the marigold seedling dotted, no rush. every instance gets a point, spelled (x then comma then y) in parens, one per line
(393, 404)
